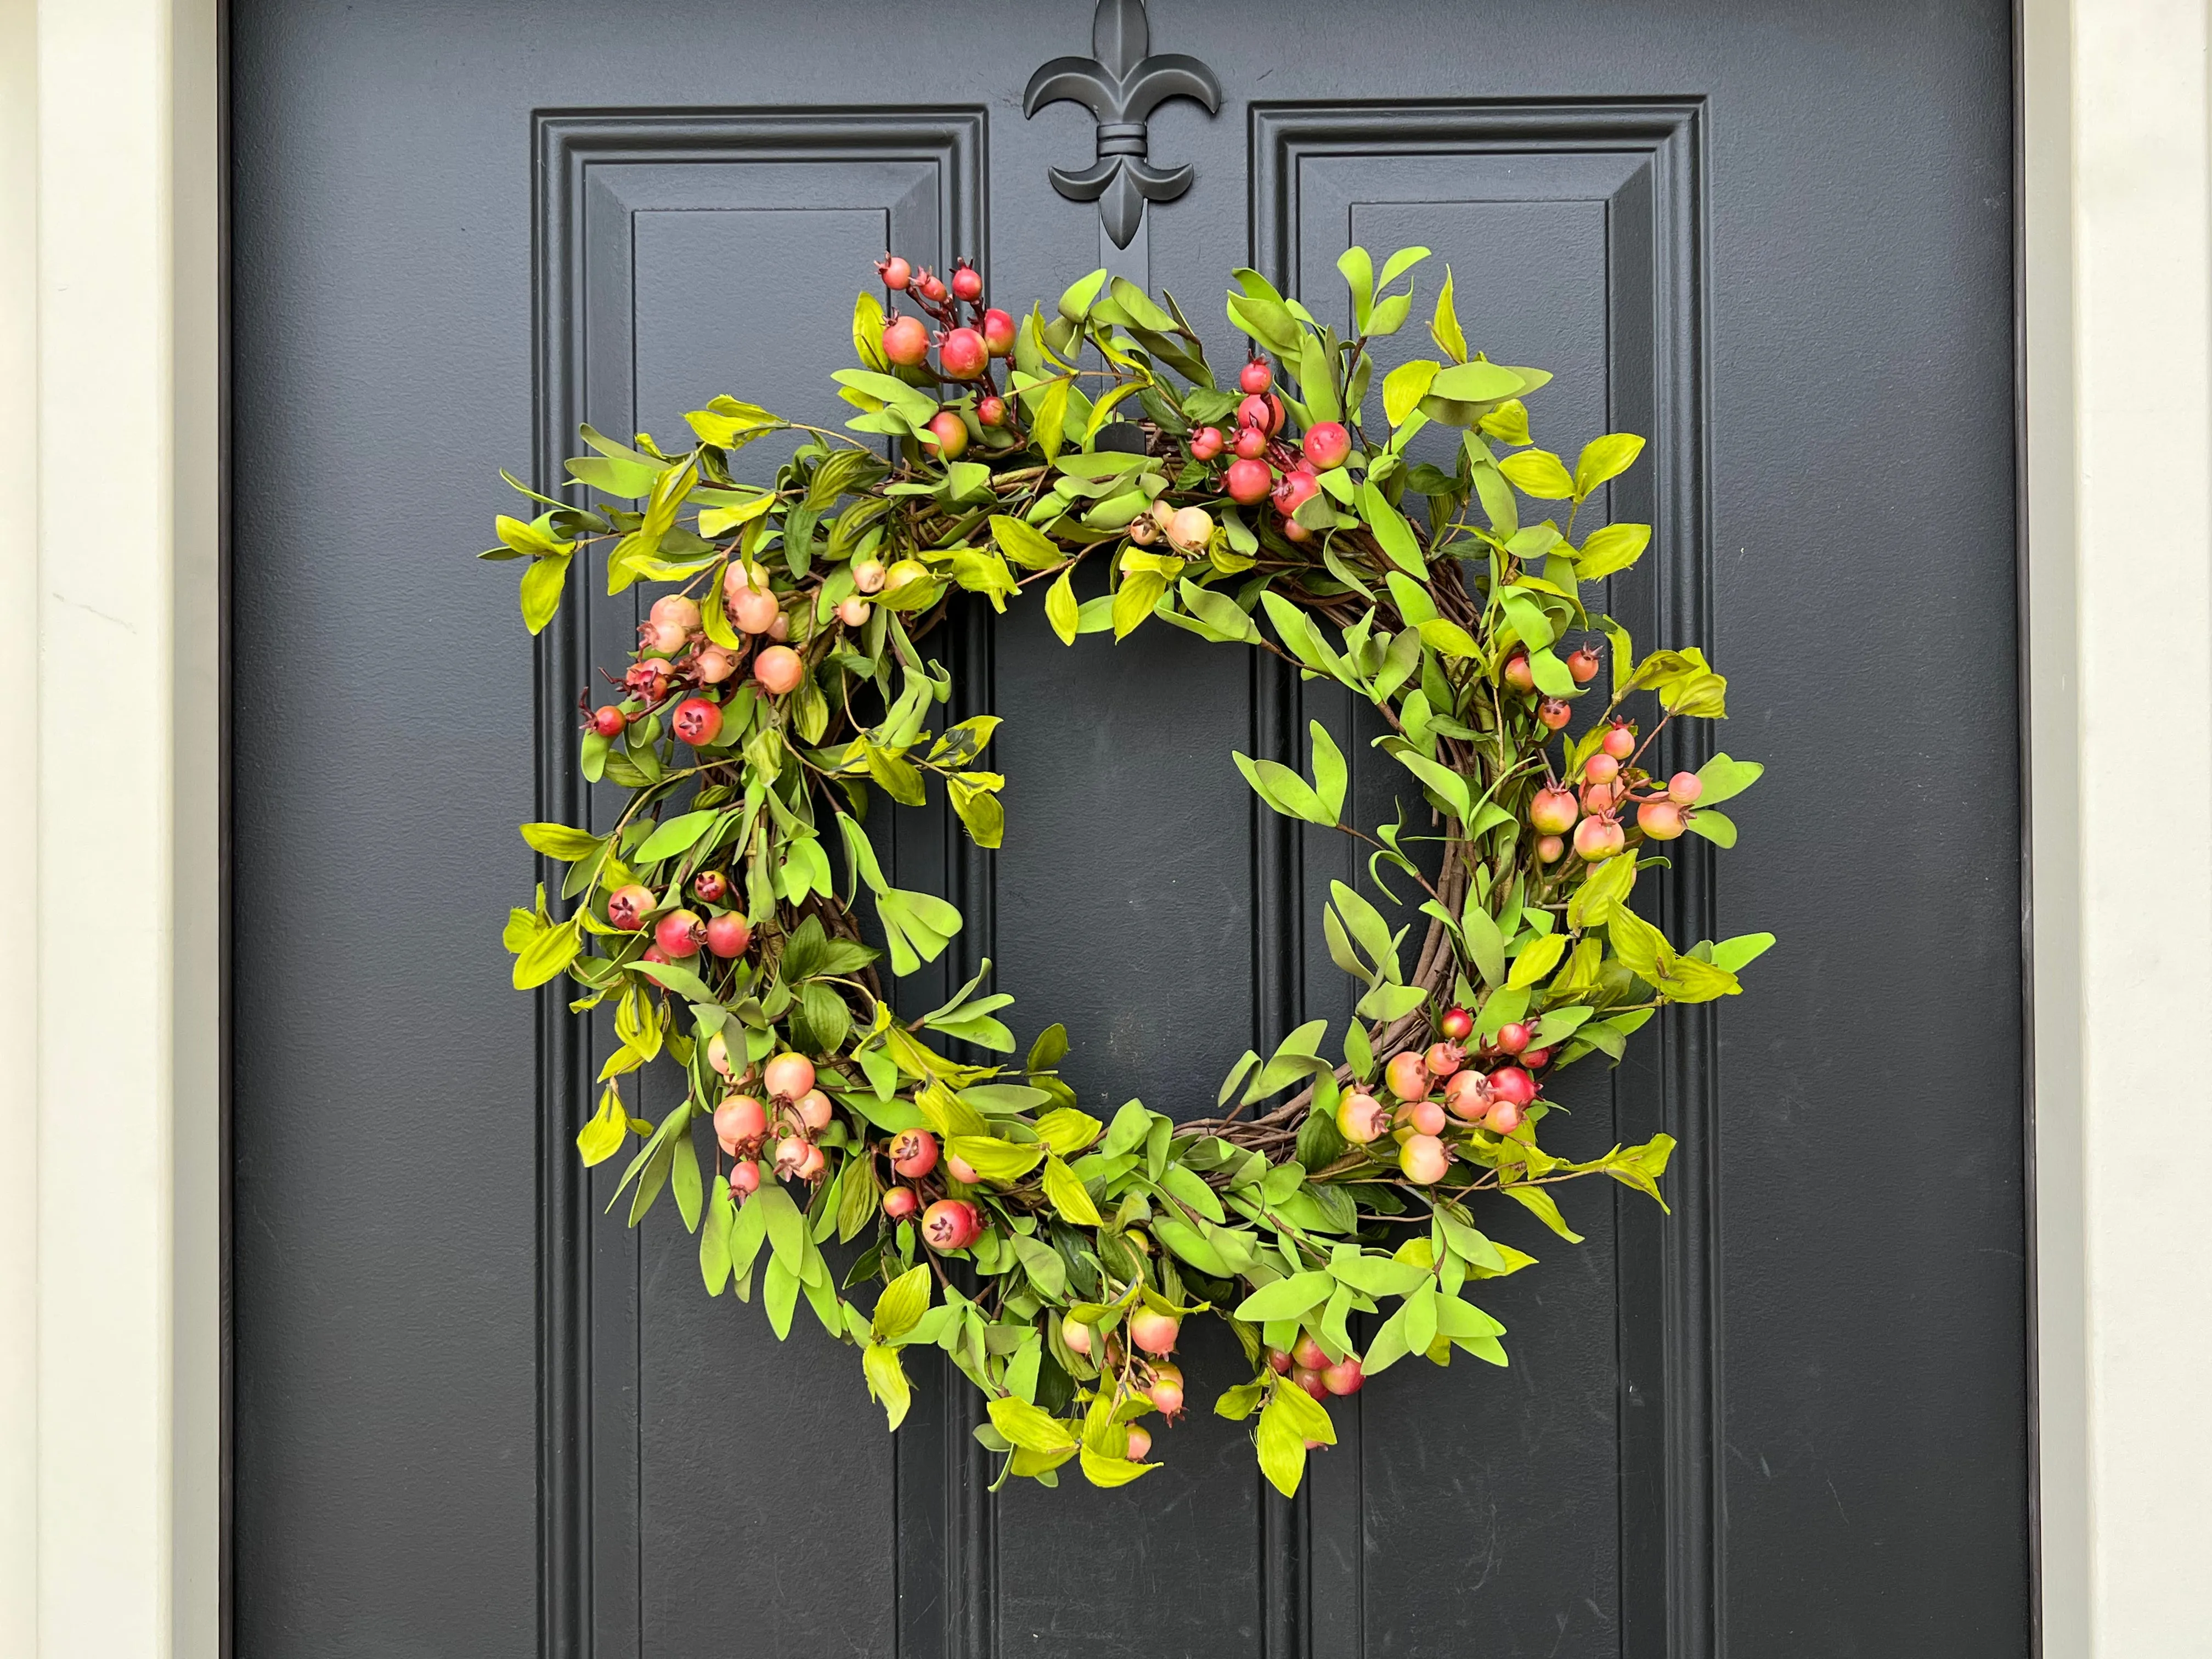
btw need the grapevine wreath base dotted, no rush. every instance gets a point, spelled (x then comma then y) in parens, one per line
(779, 686)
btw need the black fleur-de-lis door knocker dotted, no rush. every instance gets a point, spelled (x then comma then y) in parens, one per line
(1122, 86)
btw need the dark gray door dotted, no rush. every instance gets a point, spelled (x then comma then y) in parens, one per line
(476, 1418)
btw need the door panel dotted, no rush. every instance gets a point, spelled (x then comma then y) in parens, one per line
(476, 1416)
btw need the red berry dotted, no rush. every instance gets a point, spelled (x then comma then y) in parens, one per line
(1553, 810)
(950, 433)
(1327, 443)
(790, 1156)
(1620, 740)
(1457, 1024)
(1265, 413)
(1443, 1059)
(1550, 849)
(1467, 1094)
(1602, 769)
(627, 907)
(696, 722)
(992, 412)
(999, 333)
(961, 1169)
(1555, 712)
(608, 720)
(1154, 1332)
(1512, 1037)
(1256, 376)
(740, 1124)
(788, 1076)
(1251, 443)
(1360, 1118)
(680, 934)
(1206, 443)
(1518, 674)
(1310, 1379)
(1278, 1361)
(1140, 1440)
(778, 669)
(948, 1225)
(1661, 820)
(712, 886)
(1247, 482)
(913, 1153)
(728, 934)
(1536, 1057)
(1511, 1083)
(961, 353)
(929, 287)
(1293, 489)
(906, 341)
(1425, 1116)
(745, 1180)
(896, 273)
(1308, 1352)
(967, 282)
(1582, 662)
(1597, 838)
(1343, 1377)
(1165, 1391)
(1506, 1116)
(1407, 1074)
(899, 1202)
(1684, 788)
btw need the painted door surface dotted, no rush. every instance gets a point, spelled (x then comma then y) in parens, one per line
(475, 1417)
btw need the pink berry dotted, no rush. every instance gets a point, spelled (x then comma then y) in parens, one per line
(1620, 740)
(745, 1180)
(1206, 443)
(896, 273)
(1684, 788)
(1343, 1377)
(1360, 1118)
(680, 934)
(1513, 1084)
(906, 341)
(1154, 1332)
(1076, 1334)
(1256, 376)
(1424, 1159)
(899, 1202)
(1407, 1074)
(1327, 443)
(740, 1124)
(814, 1109)
(967, 282)
(627, 907)
(778, 670)
(1661, 820)
(913, 1153)
(961, 353)
(999, 333)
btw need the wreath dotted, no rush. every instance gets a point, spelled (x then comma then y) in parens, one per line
(780, 684)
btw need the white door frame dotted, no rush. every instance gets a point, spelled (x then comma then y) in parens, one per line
(111, 1500)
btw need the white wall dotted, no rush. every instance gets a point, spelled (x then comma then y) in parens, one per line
(109, 1177)
(108, 745)
(2119, 296)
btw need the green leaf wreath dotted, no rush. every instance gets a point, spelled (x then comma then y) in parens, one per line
(780, 684)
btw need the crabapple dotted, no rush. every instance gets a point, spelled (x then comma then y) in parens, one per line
(1684, 788)
(904, 574)
(714, 664)
(1295, 532)
(1511, 1083)
(1262, 410)
(896, 273)
(1553, 713)
(906, 341)
(814, 1109)
(1327, 443)
(788, 1075)
(961, 1169)
(1154, 1332)
(680, 933)
(1206, 443)
(913, 1153)
(1512, 1037)
(1620, 740)
(1140, 1441)
(1247, 482)
(1603, 797)
(1661, 820)
(868, 575)
(712, 886)
(1457, 1024)
(696, 722)
(1076, 1334)
(1190, 529)
(1256, 376)
(1308, 1351)
(1600, 769)
(967, 282)
(1407, 1075)
(899, 1202)
(1360, 1118)
(791, 1156)
(853, 612)
(1518, 674)
(665, 638)
(948, 1225)
(1583, 663)
(753, 612)
(1294, 489)
(992, 412)
(1343, 1377)
(745, 1180)
(778, 669)
(1504, 1116)
(929, 287)
(740, 1124)
(608, 720)
(962, 355)
(1467, 1095)
(1550, 849)
(717, 1056)
(1309, 1379)
(627, 907)
(1554, 811)
(1251, 443)
(999, 333)
(950, 433)
(1535, 1058)
(675, 609)
(1426, 1117)
(1424, 1159)
(1144, 530)
(728, 935)
(1442, 1059)
(1600, 838)
(1166, 1389)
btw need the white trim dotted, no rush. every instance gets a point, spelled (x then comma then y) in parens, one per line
(109, 1187)
(108, 612)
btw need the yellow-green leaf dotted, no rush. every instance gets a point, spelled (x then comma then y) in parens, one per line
(558, 840)
(1444, 328)
(1067, 1194)
(1605, 457)
(887, 1383)
(1404, 388)
(1102, 1471)
(602, 1138)
(548, 955)
(1024, 543)
(1029, 1426)
(1067, 1131)
(902, 1303)
(1060, 609)
(541, 585)
(994, 1159)
(1614, 547)
(1540, 473)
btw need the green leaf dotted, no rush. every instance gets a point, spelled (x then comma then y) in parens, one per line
(996, 1159)
(684, 1181)
(1448, 785)
(1733, 955)
(1135, 599)
(602, 1137)
(1404, 388)
(886, 1376)
(1724, 779)
(1615, 547)
(1024, 544)
(1066, 1130)
(1445, 327)
(1026, 1425)
(1375, 1275)
(1067, 1195)
(1391, 531)
(1046, 1269)
(1217, 612)
(902, 1303)
(1358, 276)
(1528, 618)
(1100, 1470)
(1539, 1203)
(1050, 424)
(548, 955)
(1603, 890)
(1399, 263)
(1605, 457)
(1715, 827)
(557, 840)
(1282, 1448)
(1486, 945)
(675, 836)
(1538, 473)
(1330, 774)
(1286, 1298)
(1479, 383)
(541, 585)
